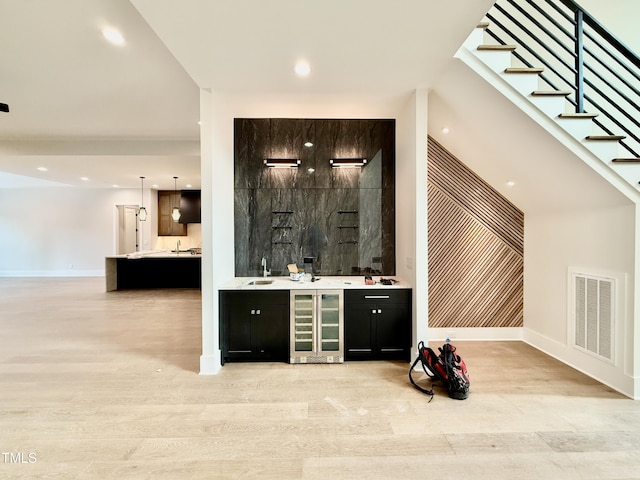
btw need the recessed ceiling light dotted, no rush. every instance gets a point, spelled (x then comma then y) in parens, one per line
(308, 144)
(155, 185)
(84, 179)
(445, 130)
(511, 183)
(113, 36)
(115, 186)
(302, 69)
(43, 169)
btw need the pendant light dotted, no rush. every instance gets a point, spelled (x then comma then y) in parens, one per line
(142, 212)
(175, 212)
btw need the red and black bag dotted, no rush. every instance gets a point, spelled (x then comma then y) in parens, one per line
(447, 367)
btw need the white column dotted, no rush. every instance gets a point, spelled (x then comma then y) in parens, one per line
(210, 359)
(411, 206)
(421, 263)
(635, 323)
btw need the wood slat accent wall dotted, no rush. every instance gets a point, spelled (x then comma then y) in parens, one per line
(476, 245)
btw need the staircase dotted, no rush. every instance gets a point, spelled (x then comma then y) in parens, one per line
(588, 105)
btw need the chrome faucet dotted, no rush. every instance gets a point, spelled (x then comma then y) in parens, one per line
(265, 272)
(178, 247)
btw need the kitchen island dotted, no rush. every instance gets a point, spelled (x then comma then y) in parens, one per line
(153, 269)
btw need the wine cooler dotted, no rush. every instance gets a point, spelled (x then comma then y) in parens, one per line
(317, 331)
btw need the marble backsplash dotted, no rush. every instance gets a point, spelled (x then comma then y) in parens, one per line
(343, 218)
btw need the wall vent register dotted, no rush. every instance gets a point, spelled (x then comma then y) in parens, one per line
(594, 314)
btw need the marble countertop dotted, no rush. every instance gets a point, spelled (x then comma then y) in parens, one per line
(321, 283)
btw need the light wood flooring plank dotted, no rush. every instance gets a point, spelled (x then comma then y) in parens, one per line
(105, 386)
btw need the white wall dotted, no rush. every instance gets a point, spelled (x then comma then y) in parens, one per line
(68, 231)
(600, 241)
(58, 231)
(620, 17)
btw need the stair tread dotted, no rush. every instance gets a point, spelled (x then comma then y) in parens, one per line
(497, 47)
(626, 160)
(523, 70)
(542, 93)
(605, 137)
(578, 115)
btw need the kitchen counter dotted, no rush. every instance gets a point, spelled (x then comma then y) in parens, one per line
(156, 254)
(321, 283)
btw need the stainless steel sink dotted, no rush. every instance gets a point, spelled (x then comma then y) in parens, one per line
(260, 282)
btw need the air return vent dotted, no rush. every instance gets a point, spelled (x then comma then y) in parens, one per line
(594, 314)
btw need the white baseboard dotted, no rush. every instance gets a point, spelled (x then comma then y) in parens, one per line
(52, 273)
(611, 375)
(210, 364)
(485, 334)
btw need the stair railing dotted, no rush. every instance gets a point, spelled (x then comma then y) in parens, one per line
(580, 56)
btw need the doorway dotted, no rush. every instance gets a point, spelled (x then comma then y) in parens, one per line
(127, 231)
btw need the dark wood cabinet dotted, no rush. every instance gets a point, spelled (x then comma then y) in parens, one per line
(377, 324)
(190, 206)
(167, 199)
(182, 271)
(254, 325)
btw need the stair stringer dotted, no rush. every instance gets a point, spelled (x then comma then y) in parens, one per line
(541, 114)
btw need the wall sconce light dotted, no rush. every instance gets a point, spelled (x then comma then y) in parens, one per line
(142, 212)
(282, 162)
(175, 212)
(347, 162)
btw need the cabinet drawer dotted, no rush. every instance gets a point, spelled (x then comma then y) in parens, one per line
(271, 297)
(378, 296)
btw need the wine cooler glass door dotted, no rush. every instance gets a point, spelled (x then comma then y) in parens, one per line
(329, 322)
(316, 333)
(330, 335)
(303, 331)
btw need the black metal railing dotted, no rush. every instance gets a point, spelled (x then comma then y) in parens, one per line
(580, 56)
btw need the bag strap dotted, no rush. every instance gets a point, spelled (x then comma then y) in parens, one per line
(423, 390)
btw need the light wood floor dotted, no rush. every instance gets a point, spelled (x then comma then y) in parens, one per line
(97, 385)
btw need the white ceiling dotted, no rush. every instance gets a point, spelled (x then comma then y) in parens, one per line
(83, 107)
